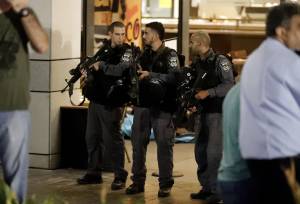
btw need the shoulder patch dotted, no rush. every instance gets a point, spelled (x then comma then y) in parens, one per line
(126, 56)
(173, 58)
(173, 61)
(224, 64)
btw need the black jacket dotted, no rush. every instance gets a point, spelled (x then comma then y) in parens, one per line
(159, 90)
(218, 81)
(108, 85)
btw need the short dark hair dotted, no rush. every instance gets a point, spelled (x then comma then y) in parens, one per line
(112, 26)
(158, 27)
(281, 16)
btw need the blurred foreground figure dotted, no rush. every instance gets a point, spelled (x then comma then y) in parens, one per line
(270, 105)
(18, 26)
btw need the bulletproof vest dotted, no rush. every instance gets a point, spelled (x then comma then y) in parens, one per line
(154, 92)
(105, 89)
(209, 65)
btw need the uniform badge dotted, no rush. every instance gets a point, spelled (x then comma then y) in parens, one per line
(173, 62)
(224, 64)
(126, 57)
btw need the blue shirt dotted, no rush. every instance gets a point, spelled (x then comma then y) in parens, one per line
(270, 103)
(232, 167)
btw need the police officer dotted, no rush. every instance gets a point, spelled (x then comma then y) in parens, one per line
(104, 88)
(157, 93)
(217, 82)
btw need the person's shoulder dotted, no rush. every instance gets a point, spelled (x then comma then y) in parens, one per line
(172, 57)
(170, 51)
(233, 96)
(235, 89)
(234, 93)
(126, 46)
(223, 62)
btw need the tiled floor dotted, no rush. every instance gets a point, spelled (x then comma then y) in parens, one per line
(61, 183)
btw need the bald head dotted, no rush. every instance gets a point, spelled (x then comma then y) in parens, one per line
(202, 37)
(199, 43)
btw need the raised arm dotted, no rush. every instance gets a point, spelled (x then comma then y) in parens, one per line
(35, 33)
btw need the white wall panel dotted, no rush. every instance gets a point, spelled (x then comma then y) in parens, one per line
(66, 29)
(39, 108)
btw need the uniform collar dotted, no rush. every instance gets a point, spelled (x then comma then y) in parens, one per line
(208, 55)
(160, 49)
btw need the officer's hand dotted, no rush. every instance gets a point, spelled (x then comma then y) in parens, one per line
(83, 72)
(201, 95)
(17, 5)
(96, 66)
(143, 74)
(193, 109)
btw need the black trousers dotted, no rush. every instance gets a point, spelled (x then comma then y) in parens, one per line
(270, 182)
(208, 149)
(164, 133)
(103, 133)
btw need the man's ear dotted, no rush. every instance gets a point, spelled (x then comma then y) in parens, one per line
(110, 34)
(156, 35)
(281, 33)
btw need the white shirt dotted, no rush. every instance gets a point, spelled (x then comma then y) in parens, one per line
(270, 103)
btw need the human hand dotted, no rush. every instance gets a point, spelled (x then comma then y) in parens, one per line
(193, 109)
(18, 5)
(96, 66)
(290, 174)
(83, 73)
(201, 95)
(143, 74)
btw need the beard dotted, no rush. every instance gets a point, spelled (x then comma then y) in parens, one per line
(193, 52)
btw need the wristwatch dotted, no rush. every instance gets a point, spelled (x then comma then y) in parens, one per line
(24, 12)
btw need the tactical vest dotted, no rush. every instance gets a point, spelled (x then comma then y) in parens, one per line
(154, 92)
(105, 89)
(214, 104)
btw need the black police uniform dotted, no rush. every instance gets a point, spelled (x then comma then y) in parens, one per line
(106, 91)
(157, 104)
(208, 146)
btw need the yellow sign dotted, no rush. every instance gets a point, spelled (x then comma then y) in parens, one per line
(127, 11)
(103, 13)
(165, 3)
(133, 21)
(99, 3)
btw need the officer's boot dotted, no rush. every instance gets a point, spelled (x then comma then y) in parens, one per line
(164, 192)
(135, 188)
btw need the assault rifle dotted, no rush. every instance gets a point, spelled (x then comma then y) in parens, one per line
(85, 65)
(186, 98)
